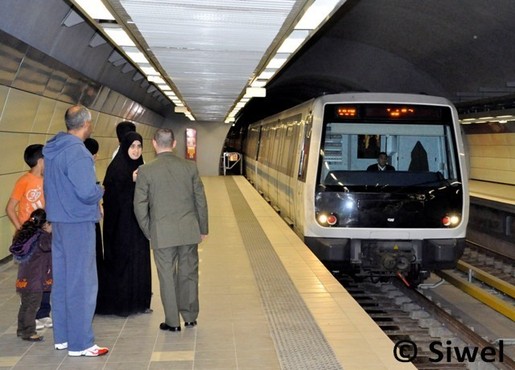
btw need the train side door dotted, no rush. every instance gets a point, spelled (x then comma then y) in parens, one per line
(289, 152)
(302, 166)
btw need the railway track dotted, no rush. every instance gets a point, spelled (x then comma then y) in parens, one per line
(490, 261)
(422, 332)
(487, 276)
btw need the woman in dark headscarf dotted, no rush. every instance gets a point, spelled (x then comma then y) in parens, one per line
(125, 288)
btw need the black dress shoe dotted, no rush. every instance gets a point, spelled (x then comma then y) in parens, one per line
(190, 324)
(164, 326)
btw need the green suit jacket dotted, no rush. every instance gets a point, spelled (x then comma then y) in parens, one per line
(169, 202)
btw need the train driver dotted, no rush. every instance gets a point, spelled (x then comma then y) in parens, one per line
(381, 164)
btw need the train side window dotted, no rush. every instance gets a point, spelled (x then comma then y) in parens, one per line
(253, 143)
(287, 149)
(262, 156)
(304, 154)
(277, 147)
(273, 147)
(294, 146)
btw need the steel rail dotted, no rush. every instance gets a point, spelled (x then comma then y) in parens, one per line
(466, 334)
(487, 278)
(490, 300)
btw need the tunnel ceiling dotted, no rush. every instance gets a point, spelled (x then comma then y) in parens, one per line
(458, 49)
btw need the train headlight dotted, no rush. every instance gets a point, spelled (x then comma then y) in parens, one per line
(325, 219)
(451, 220)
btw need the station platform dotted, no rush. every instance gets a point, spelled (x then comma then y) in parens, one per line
(266, 302)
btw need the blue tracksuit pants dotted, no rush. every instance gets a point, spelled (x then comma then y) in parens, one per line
(75, 287)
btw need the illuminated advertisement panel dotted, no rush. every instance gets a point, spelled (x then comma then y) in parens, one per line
(191, 144)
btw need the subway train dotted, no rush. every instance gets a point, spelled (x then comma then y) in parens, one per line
(313, 163)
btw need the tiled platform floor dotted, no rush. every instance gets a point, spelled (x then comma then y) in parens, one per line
(240, 325)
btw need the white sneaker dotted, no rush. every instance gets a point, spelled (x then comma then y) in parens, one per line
(39, 324)
(60, 346)
(92, 351)
(45, 321)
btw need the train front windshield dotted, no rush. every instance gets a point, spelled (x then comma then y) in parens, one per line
(418, 141)
(420, 187)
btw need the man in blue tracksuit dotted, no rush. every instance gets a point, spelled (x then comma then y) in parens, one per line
(72, 205)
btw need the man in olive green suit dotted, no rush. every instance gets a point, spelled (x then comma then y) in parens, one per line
(171, 209)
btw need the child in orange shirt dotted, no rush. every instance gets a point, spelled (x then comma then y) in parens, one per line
(26, 197)
(27, 194)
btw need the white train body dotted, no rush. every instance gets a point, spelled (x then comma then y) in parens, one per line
(311, 163)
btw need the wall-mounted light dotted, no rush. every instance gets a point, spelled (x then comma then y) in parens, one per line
(135, 55)
(118, 35)
(148, 70)
(316, 14)
(258, 83)
(293, 41)
(277, 61)
(157, 80)
(255, 92)
(266, 74)
(95, 9)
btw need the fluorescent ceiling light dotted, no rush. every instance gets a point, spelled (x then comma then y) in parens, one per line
(157, 80)
(95, 9)
(181, 110)
(258, 83)
(149, 71)
(266, 74)
(277, 61)
(255, 92)
(293, 41)
(316, 14)
(119, 36)
(137, 57)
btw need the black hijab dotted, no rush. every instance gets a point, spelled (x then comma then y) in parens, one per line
(126, 143)
(122, 166)
(122, 163)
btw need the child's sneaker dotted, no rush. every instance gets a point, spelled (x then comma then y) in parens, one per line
(47, 322)
(92, 351)
(60, 346)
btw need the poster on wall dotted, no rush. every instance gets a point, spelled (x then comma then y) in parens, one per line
(191, 144)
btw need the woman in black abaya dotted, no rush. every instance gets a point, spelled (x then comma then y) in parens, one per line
(125, 288)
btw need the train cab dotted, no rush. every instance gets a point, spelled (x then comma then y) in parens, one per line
(319, 165)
